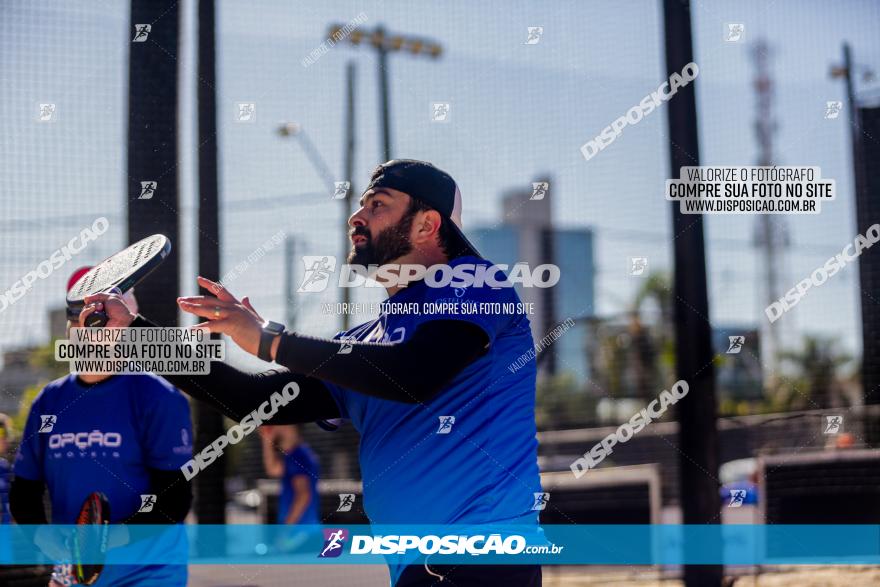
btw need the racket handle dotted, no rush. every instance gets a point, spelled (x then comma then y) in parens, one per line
(97, 320)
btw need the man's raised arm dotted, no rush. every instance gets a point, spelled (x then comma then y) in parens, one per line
(233, 392)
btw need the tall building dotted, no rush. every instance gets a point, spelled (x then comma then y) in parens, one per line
(526, 234)
(739, 371)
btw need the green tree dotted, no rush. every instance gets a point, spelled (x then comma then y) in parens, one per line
(652, 356)
(815, 383)
(560, 403)
(24, 406)
(43, 360)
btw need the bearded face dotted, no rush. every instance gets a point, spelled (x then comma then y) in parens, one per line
(390, 243)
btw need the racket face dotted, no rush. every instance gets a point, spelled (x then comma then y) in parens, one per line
(95, 510)
(91, 537)
(122, 270)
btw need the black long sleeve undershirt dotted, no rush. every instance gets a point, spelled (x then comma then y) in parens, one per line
(236, 393)
(26, 501)
(173, 499)
(410, 372)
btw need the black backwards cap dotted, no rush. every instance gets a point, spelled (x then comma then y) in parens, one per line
(425, 182)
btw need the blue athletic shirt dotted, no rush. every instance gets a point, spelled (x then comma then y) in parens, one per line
(5, 516)
(420, 466)
(104, 437)
(300, 461)
(5, 482)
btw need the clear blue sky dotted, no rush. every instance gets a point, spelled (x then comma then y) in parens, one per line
(517, 111)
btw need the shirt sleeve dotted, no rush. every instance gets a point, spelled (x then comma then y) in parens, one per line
(299, 463)
(29, 459)
(492, 309)
(167, 433)
(5, 483)
(338, 393)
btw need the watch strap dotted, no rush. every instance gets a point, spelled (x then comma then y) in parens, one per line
(267, 337)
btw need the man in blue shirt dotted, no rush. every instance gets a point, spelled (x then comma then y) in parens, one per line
(447, 424)
(286, 457)
(123, 435)
(5, 469)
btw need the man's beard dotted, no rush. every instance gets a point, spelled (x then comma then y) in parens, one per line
(391, 243)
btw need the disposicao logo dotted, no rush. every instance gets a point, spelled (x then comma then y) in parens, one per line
(334, 539)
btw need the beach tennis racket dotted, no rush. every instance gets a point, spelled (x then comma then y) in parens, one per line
(121, 271)
(89, 539)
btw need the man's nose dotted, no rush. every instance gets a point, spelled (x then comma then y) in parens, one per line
(357, 219)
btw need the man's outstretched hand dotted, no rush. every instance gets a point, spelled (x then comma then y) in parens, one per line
(226, 315)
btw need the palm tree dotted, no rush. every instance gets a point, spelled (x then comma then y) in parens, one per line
(654, 357)
(638, 362)
(657, 289)
(816, 365)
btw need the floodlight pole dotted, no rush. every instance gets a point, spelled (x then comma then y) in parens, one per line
(383, 95)
(350, 77)
(384, 44)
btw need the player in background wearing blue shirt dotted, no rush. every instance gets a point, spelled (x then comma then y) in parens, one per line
(286, 457)
(123, 435)
(447, 429)
(5, 468)
(5, 478)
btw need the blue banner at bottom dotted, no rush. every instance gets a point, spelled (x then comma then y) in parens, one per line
(451, 544)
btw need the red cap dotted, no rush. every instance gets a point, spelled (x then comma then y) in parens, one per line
(76, 275)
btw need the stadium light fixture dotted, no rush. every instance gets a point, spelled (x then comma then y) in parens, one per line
(384, 44)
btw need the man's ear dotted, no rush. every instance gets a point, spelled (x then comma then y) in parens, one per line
(427, 226)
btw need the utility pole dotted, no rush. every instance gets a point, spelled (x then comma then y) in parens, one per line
(846, 72)
(382, 61)
(350, 125)
(770, 236)
(694, 357)
(289, 291)
(384, 44)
